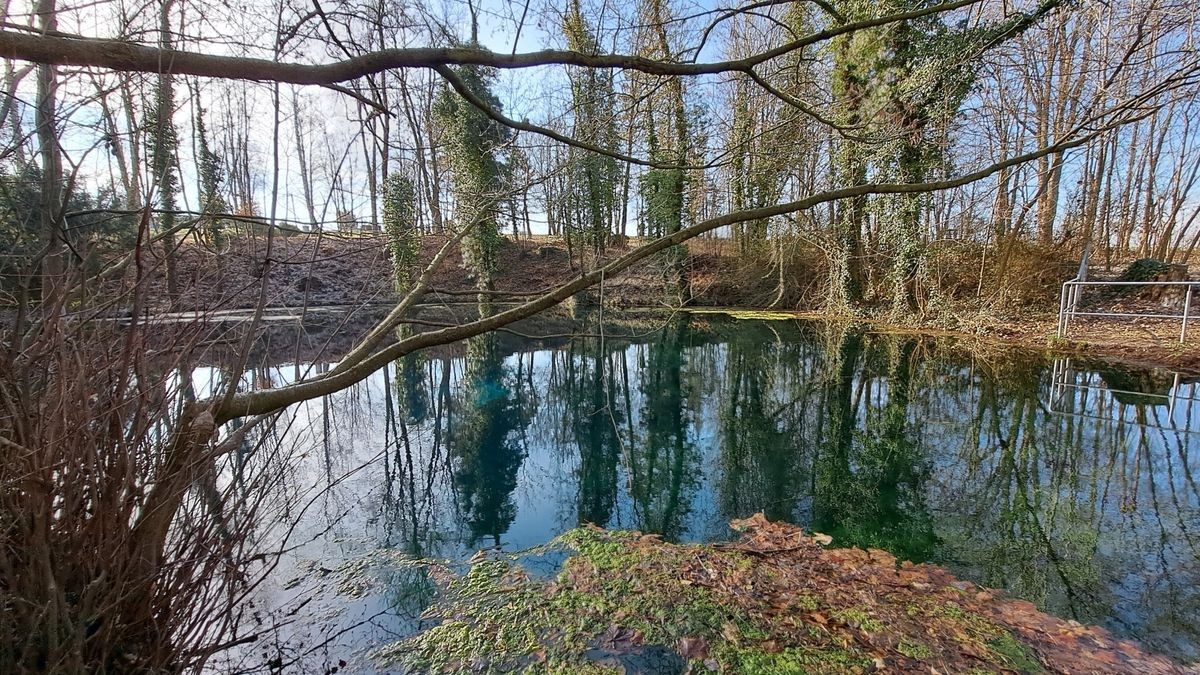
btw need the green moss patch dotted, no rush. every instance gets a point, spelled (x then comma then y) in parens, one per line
(777, 601)
(750, 314)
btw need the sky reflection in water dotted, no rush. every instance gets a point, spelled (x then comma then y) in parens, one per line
(1070, 485)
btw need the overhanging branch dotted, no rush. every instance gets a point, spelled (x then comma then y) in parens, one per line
(119, 55)
(262, 401)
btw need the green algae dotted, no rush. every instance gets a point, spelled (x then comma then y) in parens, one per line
(748, 314)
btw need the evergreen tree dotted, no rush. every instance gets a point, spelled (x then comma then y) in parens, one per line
(210, 175)
(596, 176)
(399, 226)
(663, 190)
(474, 144)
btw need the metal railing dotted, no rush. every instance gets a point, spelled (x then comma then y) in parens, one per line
(1068, 304)
(1066, 379)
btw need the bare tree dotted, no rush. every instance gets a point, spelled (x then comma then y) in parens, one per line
(145, 445)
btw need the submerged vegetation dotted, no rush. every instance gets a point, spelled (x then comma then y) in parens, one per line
(777, 601)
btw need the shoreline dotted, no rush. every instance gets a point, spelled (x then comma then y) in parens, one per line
(355, 272)
(1145, 348)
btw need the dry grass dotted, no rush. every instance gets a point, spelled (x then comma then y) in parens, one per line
(108, 561)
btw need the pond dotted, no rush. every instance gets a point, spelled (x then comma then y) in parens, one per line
(1072, 485)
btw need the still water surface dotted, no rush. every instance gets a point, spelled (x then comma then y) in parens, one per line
(1072, 485)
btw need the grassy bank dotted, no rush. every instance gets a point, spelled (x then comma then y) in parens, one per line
(777, 601)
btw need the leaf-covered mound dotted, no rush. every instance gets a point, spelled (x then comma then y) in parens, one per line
(777, 601)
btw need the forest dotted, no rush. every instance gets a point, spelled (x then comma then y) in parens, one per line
(1037, 133)
(215, 216)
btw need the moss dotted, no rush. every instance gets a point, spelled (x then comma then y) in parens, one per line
(914, 650)
(605, 551)
(1014, 654)
(798, 661)
(652, 599)
(622, 595)
(758, 314)
(807, 601)
(981, 631)
(499, 614)
(494, 611)
(859, 619)
(576, 669)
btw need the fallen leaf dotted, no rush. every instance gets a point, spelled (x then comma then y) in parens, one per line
(693, 648)
(621, 639)
(731, 633)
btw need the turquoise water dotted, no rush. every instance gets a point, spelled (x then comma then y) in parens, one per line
(1069, 484)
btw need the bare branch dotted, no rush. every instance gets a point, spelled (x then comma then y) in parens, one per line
(262, 401)
(132, 57)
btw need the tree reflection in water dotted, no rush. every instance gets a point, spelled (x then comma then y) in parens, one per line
(590, 423)
(761, 441)
(486, 454)
(663, 466)
(910, 444)
(871, 469)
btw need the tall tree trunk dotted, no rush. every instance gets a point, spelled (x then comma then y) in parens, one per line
(51, 205)
(306, 185)
(134, 198)
(10, 112)
(164, 156)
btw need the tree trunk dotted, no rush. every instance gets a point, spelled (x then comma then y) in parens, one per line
(51, 206)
